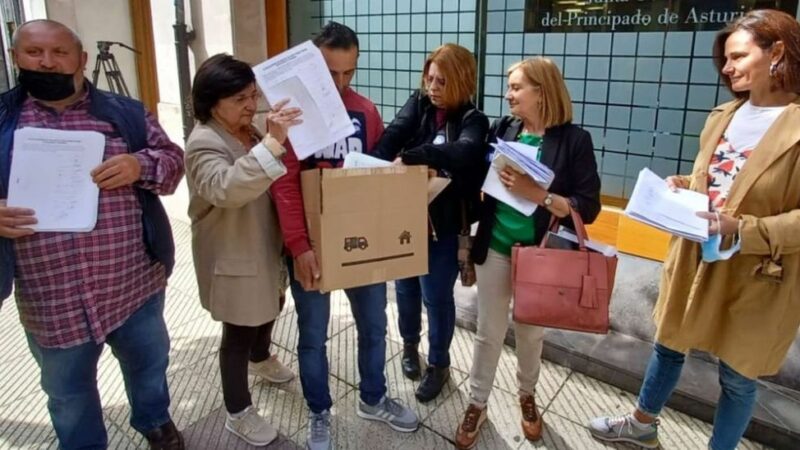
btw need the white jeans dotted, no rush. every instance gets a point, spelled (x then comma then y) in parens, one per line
(494, 301)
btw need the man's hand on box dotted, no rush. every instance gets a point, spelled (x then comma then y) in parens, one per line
(116, 172)
(306, 270)
(13, 221)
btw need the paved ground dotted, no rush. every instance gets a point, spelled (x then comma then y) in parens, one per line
(568, 399)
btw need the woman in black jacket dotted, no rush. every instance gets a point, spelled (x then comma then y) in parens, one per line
(542, 115)
(439, 127)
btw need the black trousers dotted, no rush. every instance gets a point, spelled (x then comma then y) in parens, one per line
(240, 345)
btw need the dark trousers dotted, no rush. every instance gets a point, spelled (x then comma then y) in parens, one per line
(240, 345)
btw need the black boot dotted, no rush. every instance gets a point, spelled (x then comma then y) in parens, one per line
(410, 361)
(165, 437)
(432, 383)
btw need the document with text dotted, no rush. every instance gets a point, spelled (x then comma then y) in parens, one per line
(523, 159)
(654, 204)
(50, 173)
(300, 75)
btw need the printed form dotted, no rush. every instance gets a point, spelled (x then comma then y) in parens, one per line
(654, 204)
(301, 75)
(50, 173)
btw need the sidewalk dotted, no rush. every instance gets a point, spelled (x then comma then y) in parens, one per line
(567, 399)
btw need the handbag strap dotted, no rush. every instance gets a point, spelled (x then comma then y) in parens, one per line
(580, 229)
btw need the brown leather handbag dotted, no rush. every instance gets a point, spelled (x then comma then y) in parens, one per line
(563, 288)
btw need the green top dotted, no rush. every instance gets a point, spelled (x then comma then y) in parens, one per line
(510, 225)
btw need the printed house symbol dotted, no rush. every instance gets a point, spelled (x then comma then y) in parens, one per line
(405, 238)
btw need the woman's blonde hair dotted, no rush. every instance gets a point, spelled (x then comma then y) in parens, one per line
(556, 106)
(457, 64)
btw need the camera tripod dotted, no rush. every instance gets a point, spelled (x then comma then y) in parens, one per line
(106, 60)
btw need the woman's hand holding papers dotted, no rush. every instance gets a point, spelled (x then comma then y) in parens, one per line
(720, 223)
(279, 120)
(676, 182)
(524, 186)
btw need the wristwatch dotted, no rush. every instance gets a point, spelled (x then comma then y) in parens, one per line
(548, 200)
(275, 148)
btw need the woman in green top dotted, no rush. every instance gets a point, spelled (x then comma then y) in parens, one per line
(542, 118)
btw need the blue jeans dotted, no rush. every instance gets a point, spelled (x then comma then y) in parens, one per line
(368, 304)
(69, 378)
(734, 408)
(436, 290)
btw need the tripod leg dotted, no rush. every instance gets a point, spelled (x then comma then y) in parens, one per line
(109, 76)
(123, 87)
(96, 71)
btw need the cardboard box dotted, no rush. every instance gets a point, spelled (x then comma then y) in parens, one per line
(367, 225)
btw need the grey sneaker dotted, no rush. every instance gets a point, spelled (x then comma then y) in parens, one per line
(391, 412)
(623, 429)
(319, 431)
(251, 427)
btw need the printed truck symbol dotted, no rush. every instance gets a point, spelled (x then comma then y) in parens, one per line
(353, 242)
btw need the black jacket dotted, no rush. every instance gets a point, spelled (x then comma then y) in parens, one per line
(462, 157)
(568, 151)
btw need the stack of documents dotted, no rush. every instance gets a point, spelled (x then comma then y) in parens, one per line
(50, 173)
(654, 204)
(522, 158)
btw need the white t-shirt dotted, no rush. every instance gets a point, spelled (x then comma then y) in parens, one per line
(749, 124)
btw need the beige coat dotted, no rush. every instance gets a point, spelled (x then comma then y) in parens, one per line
(745, 310)
(236, 239)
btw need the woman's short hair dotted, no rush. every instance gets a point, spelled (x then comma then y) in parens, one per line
(219, 76)
(457, 64)
(556, 106)
(767, 26)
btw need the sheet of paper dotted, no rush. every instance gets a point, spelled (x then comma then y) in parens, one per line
(435, 187)
(356, 160)
(50, 174)
(653, 203)
(494, 187)
(301, 75)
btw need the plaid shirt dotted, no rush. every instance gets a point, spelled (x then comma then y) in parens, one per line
(73, 288)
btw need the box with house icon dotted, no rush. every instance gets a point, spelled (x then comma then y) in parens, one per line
(367, 225)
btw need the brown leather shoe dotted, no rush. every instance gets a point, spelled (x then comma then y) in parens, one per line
(531, 419)
(165, 437)
(470, 427)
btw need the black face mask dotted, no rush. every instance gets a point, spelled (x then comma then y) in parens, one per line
(47, 86)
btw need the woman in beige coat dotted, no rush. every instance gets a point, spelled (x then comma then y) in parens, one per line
(235, 235)
(735, 295)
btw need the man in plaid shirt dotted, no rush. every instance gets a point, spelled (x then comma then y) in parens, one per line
(77, 291)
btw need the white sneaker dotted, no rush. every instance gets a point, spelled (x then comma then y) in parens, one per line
(271, 369)
(251, 427)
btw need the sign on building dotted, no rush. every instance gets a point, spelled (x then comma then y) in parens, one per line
(542, 16)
